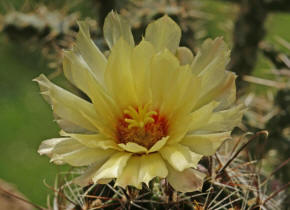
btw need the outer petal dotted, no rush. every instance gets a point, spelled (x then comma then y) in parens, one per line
(113, 167)
(177, 132)
(174, 89)
(67, 150)
(130, 174)
(186, 181)
(58, 145)
(115, 27)
(163, 33)
(133, 147)
(141, 60)
(119, 79)
(142, 169)
(209, 64)
(164, 68)
(216, 121)
(90, 52)
(225, 120)
(182, 94)
(136, 148)
(205, 144)
(180, 157)
(225, 92)
(180, 98)
(69, 127)
(184, 55)
(86, 178)
(211, 52)
(67, 105)
(158, 145)
(77, 71)
(152, 165)
(93, 140)
(200, 117)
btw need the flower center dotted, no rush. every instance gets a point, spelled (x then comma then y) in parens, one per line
(142, 126)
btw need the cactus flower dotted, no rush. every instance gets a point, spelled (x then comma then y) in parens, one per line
(154, 109)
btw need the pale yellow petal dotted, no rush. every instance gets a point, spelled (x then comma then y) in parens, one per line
(90, 52)
(200, 117)
(175, 89)
(69, 127)
(163, 33)
(209, 64)
(179, 101)
(206, 119)
(67, 105)
(212, 52)
(182, 94)
(184, 55)
(104, 181)
(151, 166)
(113, 167)
(130, 174)
(106, 108)
(57, 145)
(225, 120)
(159, 144)
(77, 71)
(205, 144)
(164, 68)
(225, 92)
(82, 157)
(118, 75)
(180, 157)
(188, 180)
(108, 131)
(86, 177)
(93, 140)
(141, 60)
(68, 150)
(133, 147)
(176, 132)
(115, 27)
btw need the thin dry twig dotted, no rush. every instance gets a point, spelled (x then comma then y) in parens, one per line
(265, 82)
(240, 149)
(276, 193)
(22, 199)
(277, 169)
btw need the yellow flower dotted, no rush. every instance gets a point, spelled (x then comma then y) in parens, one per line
(154, 110)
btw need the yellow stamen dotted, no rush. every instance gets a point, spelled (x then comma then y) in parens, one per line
(139, 117)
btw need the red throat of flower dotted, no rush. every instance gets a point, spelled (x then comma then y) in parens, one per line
(142, 126)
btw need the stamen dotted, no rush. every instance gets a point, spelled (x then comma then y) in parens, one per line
(142, 126)
(139, 117)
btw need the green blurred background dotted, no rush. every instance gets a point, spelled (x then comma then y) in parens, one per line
(26, 120)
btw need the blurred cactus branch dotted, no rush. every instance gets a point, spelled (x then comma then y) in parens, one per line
(249, 31)
(277, 5)
(106, 6)
(270, 5)
(280, 60)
